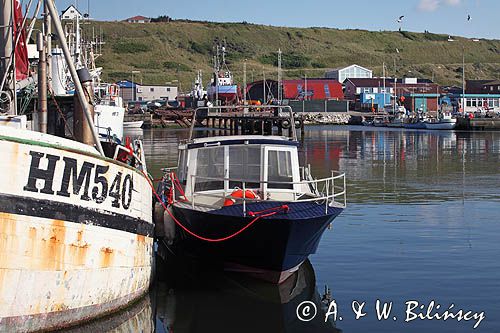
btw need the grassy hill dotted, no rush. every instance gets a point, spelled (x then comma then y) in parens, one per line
(165, 52)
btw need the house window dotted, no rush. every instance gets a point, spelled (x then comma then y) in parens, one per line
(168, 89)
(140, 99)
(151, 89)
(468, 103)
(367, 90)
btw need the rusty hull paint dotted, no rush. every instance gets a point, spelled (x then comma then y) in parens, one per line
(54, 273)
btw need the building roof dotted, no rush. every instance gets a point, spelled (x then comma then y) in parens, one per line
(493, 83)
(137, 18)
(346, 67)
(379, 82)
(71, 7)
(127, 84)
(131, 84)
(367, 82)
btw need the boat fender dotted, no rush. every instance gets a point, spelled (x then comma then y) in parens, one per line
(285, 124)
(298, 122)
(169, 227)
(158, 219)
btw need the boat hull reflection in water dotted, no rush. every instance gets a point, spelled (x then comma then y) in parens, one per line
(194, 300)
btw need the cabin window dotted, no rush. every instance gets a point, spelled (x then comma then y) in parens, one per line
(279, 169)
(244, 164)
(210, 163)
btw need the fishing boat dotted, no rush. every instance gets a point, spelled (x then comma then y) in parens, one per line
(76, 232)
(222, 87)
(244, 201)
(133, 124)
(444, 122)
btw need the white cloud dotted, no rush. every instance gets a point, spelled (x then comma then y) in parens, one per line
(432, 5)
(428, 5)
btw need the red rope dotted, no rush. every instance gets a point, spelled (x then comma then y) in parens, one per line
(212, 240)
(285, 208)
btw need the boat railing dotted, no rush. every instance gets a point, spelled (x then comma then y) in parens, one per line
(245, 110)
(330, 191)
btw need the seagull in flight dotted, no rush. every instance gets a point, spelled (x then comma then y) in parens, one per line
(400, 19)
(469, 18)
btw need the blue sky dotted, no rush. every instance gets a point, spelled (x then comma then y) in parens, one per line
(440, 16)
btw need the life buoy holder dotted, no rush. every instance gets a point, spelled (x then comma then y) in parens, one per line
(238, 194)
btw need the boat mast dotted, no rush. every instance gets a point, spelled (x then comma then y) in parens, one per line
(8, 91)
(78, 86)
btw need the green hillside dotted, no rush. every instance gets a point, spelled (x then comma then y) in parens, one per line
(165, 52)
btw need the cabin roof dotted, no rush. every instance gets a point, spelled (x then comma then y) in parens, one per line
(240, 140)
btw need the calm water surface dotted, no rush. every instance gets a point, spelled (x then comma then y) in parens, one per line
(422, 223)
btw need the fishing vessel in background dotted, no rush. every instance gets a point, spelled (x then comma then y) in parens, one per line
(76, 232)
(222, 88)
(85, 48)
(245, 202)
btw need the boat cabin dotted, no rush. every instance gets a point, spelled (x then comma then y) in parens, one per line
(213, 168)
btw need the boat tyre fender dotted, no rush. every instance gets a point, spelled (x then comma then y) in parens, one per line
(298, 122)
(285, 124)
(169, 228)
(158, 219)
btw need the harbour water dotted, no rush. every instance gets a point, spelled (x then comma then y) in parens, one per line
(421, 225)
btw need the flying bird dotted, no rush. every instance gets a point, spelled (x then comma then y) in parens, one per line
(400, 19)
(469, 18)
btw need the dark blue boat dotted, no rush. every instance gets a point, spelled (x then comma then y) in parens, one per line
(244, 202)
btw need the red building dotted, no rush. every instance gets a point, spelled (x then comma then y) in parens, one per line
(312, 89)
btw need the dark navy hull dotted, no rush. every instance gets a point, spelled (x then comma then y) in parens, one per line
(272, 246)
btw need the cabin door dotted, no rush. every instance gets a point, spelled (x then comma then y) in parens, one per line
(280, 171)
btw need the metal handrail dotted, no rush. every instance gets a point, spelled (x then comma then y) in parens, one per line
(332, 191)
(243, 107)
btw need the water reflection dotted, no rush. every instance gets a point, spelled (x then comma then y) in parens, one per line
(391, 165)
(137, 318)
(401, 166)
(194, 300)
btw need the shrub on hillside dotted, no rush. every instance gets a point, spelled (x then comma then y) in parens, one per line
(131, 47)
(289, 60)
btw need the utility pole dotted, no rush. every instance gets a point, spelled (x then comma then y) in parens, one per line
(463, 78)
(264, 97)
(279, 77)
(383, 74)
(245, 82)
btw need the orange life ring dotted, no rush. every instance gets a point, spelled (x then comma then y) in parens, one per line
(238, 194)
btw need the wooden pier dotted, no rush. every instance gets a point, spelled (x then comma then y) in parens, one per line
(236, 123)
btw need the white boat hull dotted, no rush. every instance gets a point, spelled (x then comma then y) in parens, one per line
(72, 245)
(133, 124)
(441, 125)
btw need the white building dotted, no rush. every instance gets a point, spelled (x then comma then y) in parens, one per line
(132, 91)
(350, 72)
(150, 93)
(71, 13)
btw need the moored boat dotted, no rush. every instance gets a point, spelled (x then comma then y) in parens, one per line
(76, 232)
(244, 202)
(133, 124)
(445, 122)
